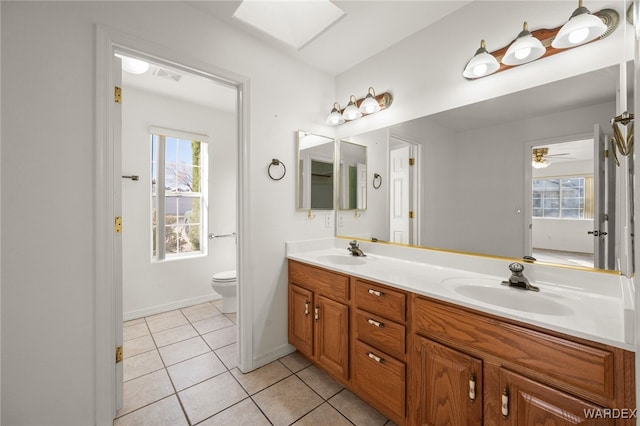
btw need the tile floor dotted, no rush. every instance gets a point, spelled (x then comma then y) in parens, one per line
(180, 369)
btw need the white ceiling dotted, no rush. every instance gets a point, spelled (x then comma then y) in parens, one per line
(367, 28)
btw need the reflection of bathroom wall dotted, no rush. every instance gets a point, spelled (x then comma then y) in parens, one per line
(377, 199)
(472, 194)
(153, 287)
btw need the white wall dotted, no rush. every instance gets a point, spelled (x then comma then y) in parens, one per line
(151, 287)
(48, 330)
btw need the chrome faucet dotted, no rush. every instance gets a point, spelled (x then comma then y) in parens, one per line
(355, 249)
(517, 279)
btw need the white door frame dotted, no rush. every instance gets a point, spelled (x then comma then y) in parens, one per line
(415, 178)
(106, 163)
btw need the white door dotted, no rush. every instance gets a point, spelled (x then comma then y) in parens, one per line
(361, 170)
(599, 213)
(399, 194)
(117, 255)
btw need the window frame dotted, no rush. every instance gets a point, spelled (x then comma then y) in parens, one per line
(587, 209)
(159, 233)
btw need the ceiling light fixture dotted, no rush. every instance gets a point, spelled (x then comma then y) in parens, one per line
(133, 65)
(357, 108)
(525, 48)
(482, 64)
(538, 160)
(581, 28)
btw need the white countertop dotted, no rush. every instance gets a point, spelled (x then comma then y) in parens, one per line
(593, 305)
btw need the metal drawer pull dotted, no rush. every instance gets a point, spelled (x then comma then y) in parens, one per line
(375, 358)
(376, 292)
(375, 323)
(306, 307)
(472, 387)
(316, 313)
(505, 403)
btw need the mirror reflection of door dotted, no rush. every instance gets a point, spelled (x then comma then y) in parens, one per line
(321, 184)
(402, 192)
(569, 194)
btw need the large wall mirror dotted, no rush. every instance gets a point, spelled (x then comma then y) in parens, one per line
(352, 176)
(478, 190)
(315, 173)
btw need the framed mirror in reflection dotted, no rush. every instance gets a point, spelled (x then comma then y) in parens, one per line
(315, 174)
(478, 191)
(352, 176)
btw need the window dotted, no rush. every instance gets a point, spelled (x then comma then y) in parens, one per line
(569, 197)
(178, 171)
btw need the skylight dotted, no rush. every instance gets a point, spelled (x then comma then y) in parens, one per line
(295, 22)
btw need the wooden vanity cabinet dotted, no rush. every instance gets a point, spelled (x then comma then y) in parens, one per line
(523, 375)
(319, 317)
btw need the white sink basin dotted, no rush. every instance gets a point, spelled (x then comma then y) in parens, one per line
(493, 293)
(342, 259)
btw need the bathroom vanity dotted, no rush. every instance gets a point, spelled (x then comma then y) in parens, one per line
(411, 332)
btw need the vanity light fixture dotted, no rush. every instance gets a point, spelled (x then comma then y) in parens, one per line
(482, 64)
(357, 108)
(581, 28)
(335, 117)
(133, 65)
(351, 112)
(525, 48)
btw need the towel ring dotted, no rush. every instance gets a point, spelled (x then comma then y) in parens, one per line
(276, 162)
(377, 181)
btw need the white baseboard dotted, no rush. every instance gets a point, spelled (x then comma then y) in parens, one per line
(275, 354)
(158, 309)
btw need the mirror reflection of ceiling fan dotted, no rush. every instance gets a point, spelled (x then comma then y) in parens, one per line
(540, 157)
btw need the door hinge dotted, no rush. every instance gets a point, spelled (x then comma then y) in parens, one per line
(117, 95)
(411, 215)
(119, 354)
(118, 224)
(412, 161)
(606, 153)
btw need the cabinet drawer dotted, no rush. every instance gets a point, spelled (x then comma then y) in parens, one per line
(381, 300)
(380, 378)
(581, 366)
(385, 335)
(327, 283)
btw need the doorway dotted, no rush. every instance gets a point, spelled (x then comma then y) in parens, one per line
(404, 223)
(109, 182)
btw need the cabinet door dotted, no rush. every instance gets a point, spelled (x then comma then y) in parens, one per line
(332, 336)
(530, 403)
(301, 319)
(449, 385)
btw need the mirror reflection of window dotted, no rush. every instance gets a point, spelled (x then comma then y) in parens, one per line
(315, 174)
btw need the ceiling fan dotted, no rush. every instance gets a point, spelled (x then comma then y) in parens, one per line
(540, 157)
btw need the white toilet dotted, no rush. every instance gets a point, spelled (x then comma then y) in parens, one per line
(226, 285)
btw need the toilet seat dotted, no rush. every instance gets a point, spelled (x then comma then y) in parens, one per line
(224, 277)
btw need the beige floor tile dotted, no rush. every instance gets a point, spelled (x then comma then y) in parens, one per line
(174, 335)
(166, 320)
(195, 370)
(287, 401)
(217, 303)
(182, 351)
(141, 364)
(243, 413)
(320, 381)
(233, 317)
(166, 412)
(212, 324)
(295, 362)
(356, 410)
(223, 337)
(135, 331)
(228, 355)
(210, 397)
(138, 345)
(324, 415)
(200, 312)
(133, 322)
(146, 389)
(262, 377)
